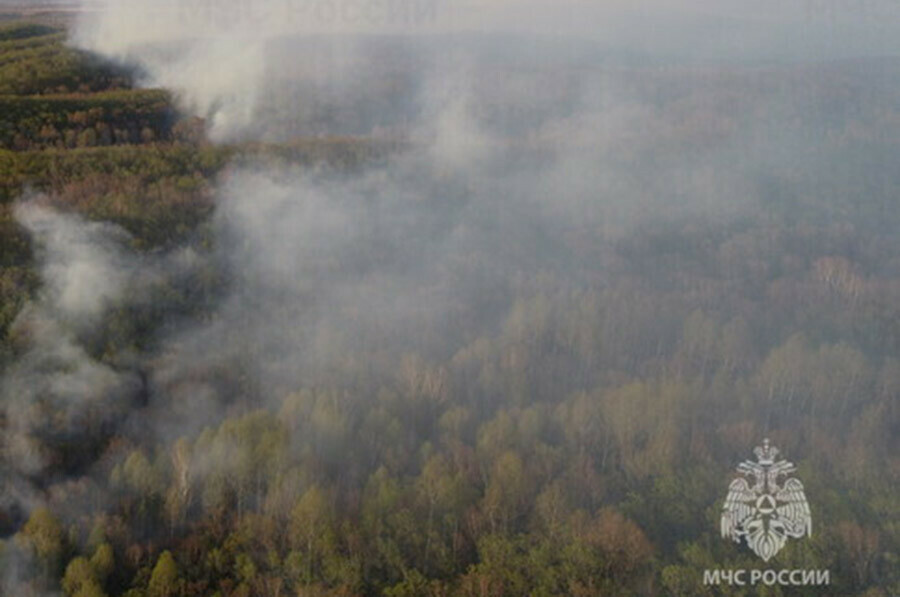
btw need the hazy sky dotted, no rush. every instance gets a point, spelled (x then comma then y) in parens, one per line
(704, 29)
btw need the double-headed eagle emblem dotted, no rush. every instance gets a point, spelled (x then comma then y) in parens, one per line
(760, 510)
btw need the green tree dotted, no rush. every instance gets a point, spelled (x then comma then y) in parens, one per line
(311, 527)
(44, 533)
(164, 579)
(90, 589)
(103, 561)
(78, 572)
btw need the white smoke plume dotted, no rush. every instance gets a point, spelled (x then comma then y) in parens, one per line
(82, 277)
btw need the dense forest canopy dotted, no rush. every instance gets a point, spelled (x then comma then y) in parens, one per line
(444, 322)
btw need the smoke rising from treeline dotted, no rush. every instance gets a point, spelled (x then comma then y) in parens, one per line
(507, 158)
(530, 173)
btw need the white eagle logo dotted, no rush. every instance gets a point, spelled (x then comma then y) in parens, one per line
(761, 511)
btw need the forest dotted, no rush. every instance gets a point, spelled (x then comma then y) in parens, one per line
(420, 381)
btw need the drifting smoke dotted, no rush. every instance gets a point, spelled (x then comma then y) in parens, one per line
(260, 70)
(229, 61)
(517, 150)
(509, 158)
(87, 273)
(82, 277)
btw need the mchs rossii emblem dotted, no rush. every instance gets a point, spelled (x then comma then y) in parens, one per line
(762, 509)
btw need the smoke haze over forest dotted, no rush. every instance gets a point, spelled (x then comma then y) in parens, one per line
(563, 266)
